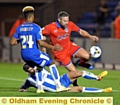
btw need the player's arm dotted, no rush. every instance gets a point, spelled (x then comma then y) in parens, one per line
(87, 35)
(46, 30)
(56, 47)
(14, 41)
(42, 43)
(83, 32)
(43, 49)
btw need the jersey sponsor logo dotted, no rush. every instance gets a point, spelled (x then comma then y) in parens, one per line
(66, 29)
(74, 44)
(62, 37)
(55, 31)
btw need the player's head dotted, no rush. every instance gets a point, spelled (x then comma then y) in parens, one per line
(28, 69)
(63, 18)
(28, 13)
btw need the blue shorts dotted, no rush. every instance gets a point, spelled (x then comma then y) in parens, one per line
(65, 81)
(40, 59)
(49, 83)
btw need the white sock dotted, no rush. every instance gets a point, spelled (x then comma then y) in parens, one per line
(91, 90)
(89, 75)
(55, 75)
(39, 80)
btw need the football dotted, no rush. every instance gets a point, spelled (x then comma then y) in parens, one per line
(95, 51)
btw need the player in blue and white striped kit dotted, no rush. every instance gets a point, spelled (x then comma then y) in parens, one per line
(66, 80)
(29, 35)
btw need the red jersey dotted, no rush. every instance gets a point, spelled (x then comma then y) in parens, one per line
(59, 35)
(17, 23)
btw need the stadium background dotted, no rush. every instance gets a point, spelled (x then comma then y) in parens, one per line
(81, 12)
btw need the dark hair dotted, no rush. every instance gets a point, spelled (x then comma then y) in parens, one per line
(28, 13)
(26, 67)
(62, 14)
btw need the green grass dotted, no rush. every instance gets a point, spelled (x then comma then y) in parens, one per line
(12, 77)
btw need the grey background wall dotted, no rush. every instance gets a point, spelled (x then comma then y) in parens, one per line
(110, 50)
(46, 11)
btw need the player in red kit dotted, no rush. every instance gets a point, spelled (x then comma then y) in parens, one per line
(60, 33)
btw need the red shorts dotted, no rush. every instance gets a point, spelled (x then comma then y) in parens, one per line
(64, 57)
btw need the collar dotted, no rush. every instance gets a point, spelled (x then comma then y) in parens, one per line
(58, 24)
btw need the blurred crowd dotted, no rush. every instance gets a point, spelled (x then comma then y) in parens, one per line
(103, 13)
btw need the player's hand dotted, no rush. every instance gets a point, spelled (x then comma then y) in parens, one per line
(44, 38)
(57, 47)
(94, 38)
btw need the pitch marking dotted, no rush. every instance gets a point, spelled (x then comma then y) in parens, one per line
(11, 79)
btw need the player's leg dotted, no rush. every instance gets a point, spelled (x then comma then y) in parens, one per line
(83, 74)
(39, 61)
(84, 57)
(30, 65)
(71, 68)
(55, 75)
(39, 81)
(76, 74)
(75, 89)
(47, 61)
(89, 89)
(68, 78)
(78, 52)
(96, 90)
(39, 78)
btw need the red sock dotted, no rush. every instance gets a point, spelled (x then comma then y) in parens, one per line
(82, 62)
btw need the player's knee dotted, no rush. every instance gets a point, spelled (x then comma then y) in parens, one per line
(52, 63)
(79, 73)
(72, 70)
(80, 89)
(87, 56)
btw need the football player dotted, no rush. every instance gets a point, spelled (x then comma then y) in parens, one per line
(60, 32)
(65, 79)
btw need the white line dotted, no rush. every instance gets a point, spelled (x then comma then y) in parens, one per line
(11, 79)
(20, 80)
(116, 90)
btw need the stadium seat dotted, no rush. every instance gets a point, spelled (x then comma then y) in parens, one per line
(112, 4)
(87, 23)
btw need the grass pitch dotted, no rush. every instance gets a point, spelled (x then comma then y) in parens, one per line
(12, 77)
